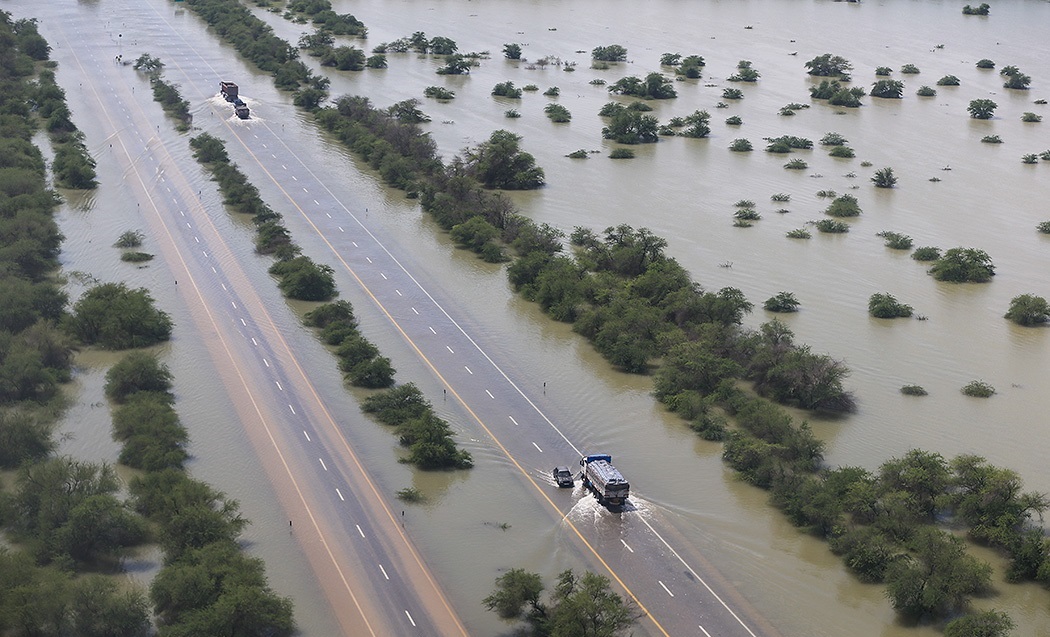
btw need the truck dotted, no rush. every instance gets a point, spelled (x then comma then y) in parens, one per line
(228, 90)
(241, 110)
(602, 478)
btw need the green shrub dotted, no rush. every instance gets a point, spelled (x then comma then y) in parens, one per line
(989, 623)
(826, 194)
(959, 265)
(843, 206)
(1028, 310)
(578, 154)
(926, 253)
(506, 89)
(883, 71)
(439, 93)
(831, 226)
(732, 94)
(909, 69)
(511, 113)
(884, 178)
(895, 240)
(621, 153)
(557, 113)
(887, 89)
(796, 164)
(734, 121)
(985, 63)
(136, 257)
(978, 389)
(530, 88)
(747, 214)
(744, 203)
(886, 306)
(833, 139)
(137, 372)
(1030, 158)
(553, 91)
(1028, 116)
(948, 80)
(844, 152)
(798, 233)
(780, 196)
(913, 390)
(115, 317)
(925, 91)
(302, 279)
(781, 302)
(991, 139)
(130, 239)
(411, 495)
(1043, 227)
(740, 145)
(597, 82)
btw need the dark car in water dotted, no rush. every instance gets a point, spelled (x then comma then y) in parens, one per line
(563, 477)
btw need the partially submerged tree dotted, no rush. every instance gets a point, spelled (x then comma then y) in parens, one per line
(828, 65)
(963, 265)
(1028, 310)
(500, 163)
(982, 108)
(888, 89)
(610, 53)
(578, 605)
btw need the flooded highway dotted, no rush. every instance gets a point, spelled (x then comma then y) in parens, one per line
(678, 481)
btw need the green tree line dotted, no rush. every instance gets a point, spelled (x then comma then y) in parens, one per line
(206, 585)
(298, 276)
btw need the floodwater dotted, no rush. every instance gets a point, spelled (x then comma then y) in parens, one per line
(683, 190)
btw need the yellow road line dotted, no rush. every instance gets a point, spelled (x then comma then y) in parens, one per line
(434, 369)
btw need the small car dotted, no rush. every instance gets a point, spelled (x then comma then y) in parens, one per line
(563, 477)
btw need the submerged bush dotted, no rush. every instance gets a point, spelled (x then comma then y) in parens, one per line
(740, 145)
(895, 240)
(914, 390)
(831, 226)
(798, 233)
(978, 389)
(781, 302)
(1028, 310)
(886, 306)
(843, 206)
(959, 265)
(926, 253)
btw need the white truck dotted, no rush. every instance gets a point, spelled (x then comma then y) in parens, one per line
(601, 477)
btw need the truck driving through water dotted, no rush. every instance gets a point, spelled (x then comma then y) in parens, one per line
(607, 483)
(230, 93)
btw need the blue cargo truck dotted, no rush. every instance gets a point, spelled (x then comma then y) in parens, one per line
(601, 477)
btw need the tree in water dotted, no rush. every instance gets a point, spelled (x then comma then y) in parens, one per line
(578, 605)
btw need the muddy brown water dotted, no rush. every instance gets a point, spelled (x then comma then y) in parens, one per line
(683, 190)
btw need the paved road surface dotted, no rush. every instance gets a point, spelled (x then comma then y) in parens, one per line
(356, 544)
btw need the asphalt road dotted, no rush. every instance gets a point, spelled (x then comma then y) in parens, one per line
(375, 579)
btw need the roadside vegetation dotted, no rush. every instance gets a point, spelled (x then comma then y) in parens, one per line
(298, 276)
(578, 605)
(619, 282)
(166, 94)
(66, 525)
(426, 435)
(73, 166)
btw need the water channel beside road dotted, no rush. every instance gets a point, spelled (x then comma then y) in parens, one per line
(682, 190)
